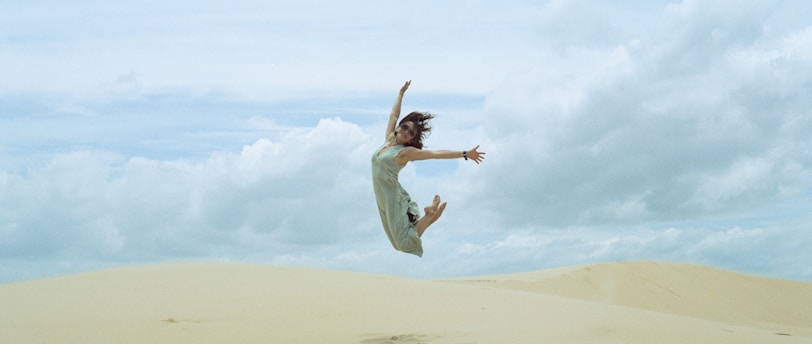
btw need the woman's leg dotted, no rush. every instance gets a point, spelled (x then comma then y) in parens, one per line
(433, 212)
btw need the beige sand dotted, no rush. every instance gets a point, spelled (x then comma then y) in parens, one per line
(629, 302)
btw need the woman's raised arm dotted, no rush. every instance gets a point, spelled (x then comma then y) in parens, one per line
(413, 154)
(395, 114)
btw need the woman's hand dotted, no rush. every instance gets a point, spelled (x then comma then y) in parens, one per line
(475, 155)
(395, 114)
(405, 87)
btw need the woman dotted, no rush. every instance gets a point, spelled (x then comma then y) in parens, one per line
(400, 215)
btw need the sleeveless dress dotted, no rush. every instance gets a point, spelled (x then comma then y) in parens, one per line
(394, 203)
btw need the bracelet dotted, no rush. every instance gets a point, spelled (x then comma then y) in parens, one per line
(465, 155)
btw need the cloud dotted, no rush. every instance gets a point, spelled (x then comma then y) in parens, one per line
(272, 196)
(267, 51)
(658, 128)
(648, 131)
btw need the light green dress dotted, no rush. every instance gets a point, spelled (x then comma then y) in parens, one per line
(394, 203)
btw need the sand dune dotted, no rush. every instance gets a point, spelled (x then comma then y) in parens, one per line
(629, 302)
(681, 289)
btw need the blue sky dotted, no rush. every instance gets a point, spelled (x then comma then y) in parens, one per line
(149, 132)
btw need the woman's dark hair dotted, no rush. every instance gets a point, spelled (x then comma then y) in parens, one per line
(422, 128)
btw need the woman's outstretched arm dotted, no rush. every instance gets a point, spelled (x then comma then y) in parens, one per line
(395, 114)
(412, 154)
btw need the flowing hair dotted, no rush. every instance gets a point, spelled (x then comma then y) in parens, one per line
(422, 128)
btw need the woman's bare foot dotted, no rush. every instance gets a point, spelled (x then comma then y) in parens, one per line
(439, 212)
(433, 212)
(435, 205)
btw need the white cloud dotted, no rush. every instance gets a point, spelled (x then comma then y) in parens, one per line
(260, 50)
(646, 131)
(270, 195)
(666, 127)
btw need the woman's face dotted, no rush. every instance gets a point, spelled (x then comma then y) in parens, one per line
(405, 132)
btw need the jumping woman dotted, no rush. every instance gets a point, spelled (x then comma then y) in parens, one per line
(400, 215)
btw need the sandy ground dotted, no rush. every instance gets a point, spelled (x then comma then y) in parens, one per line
(625, 302)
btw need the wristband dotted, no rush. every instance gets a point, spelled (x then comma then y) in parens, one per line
(465, 155)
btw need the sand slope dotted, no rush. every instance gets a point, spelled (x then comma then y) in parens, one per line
(681, 289)
(634, 302)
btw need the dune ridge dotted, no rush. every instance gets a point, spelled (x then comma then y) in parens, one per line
(626, 302)
(682, 289)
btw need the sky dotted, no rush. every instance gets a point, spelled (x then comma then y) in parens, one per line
(155, 132)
